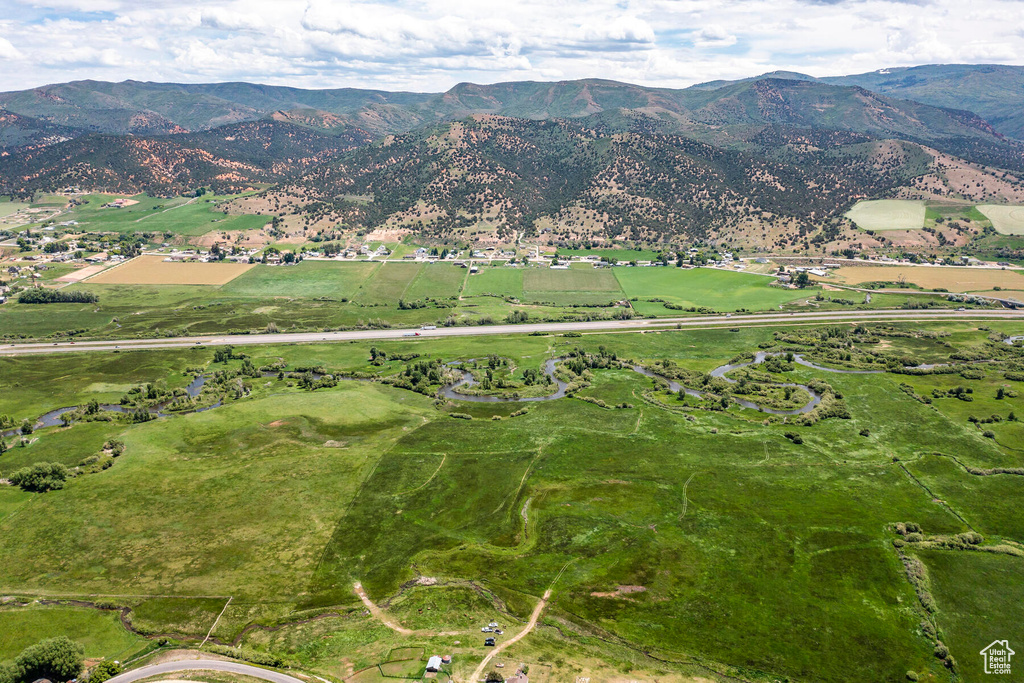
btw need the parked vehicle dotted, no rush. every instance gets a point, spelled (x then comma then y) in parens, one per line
(489, 642)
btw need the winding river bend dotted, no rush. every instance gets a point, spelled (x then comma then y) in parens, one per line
(451, 391)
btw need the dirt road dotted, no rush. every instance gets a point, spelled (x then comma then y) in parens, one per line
(514, 639)
(378, 613)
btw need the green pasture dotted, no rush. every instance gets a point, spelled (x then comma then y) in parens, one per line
(8, 207)
(717, 289)
(307, 279)
(497, 280)
(388, 284)
(100, 631)
(888, 214)
(977, 595)
(437, 281)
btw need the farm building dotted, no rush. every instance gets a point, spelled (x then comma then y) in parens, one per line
(434, 664)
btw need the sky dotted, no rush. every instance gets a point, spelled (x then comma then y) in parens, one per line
(430, 45)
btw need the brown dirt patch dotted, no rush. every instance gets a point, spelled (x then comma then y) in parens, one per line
(619, 592)
(81, 274)
(151, 269)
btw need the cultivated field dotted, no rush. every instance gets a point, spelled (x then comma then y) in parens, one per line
(718, 289)
(152, 269)
(888, 214)
(953, 278)
(437, 280)
(1007, 220)
(81, 274)
(388, 283)
(308, 279)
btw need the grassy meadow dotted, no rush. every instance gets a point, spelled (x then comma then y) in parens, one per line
(678, 541)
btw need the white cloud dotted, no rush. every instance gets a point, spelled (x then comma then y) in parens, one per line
(432, 44)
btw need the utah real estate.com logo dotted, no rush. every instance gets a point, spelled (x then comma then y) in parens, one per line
(997, 657)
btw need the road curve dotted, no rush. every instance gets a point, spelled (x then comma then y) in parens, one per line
(703, 322)
(203, 664)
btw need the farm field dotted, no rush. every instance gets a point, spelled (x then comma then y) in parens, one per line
(437, 280)
(179, 215)
(888, 214)
(306, 279)
(1007, 220)
(650, 501)
(8, 207)
(388, 283)
(717, 289)
(497, 280)
(152, 269)
(953, 278)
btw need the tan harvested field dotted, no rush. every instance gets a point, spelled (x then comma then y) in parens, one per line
(1008, 220)
(151, 269)
(953, 278)
(81, 274)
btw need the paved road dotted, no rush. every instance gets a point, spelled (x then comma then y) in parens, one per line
(442, 332)
(203, 664)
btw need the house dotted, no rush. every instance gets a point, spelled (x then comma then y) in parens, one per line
(520, 677)
(420, 253)
(818, 271)
(434, 664)
(559, 267)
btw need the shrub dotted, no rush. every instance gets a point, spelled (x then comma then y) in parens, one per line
(461, 416)
(988, 434)
(42, 476)
(865, 432)
(57, 659)
(261, 658)
(104, 671)
(56, 296)
(912, 676)
(915, 538)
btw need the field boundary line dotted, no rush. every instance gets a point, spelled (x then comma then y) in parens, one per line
(444, 456)
(686, 500)
(105, 270)
(215, 621)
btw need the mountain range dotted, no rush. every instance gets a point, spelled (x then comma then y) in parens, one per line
(788, 147)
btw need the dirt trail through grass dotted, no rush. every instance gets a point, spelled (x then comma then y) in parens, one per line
(522, 634)
(378, 613)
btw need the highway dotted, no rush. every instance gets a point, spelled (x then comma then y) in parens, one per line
(640, 324)
(203, 665)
